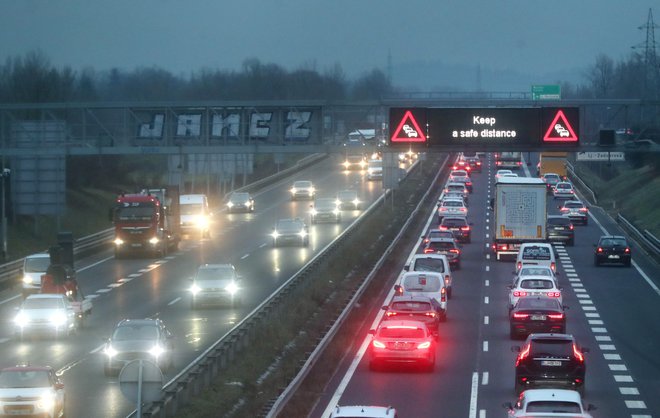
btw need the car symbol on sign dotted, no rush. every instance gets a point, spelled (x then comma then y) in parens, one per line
(410, 131)
(563, 132)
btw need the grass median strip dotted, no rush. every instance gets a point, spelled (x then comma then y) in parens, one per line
(270, 361)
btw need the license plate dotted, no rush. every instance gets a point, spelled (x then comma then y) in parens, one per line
(613, 256)
(559, 228)
(538, 317)
(400, 346)
(136, 245)
(553, 363)
(20, 412)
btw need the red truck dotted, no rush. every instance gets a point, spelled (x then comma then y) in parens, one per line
(147, 222)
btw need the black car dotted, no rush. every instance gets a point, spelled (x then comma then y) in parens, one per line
(550, 360)
(551, 180)
(446, 246)
(474, 163)
(436, 233)
(458, 226)
(612, 249)
(559, 228)
(536, 314)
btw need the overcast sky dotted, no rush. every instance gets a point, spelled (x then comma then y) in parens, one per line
(530, 36)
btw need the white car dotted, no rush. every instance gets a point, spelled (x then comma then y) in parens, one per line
(500, 173)
(549, 403)
(35, 389)
(534, 286)
(436, 263)
(458, 173)
(34, 266)
(452, 207)
(302, 189)
(563, 190)
(45, 313)
(374, 169)
(453, 195)
(531, 270)
(325, 209)
(360, 411)
(536, 254)
(424, 283)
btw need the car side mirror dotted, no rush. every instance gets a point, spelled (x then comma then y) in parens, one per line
(591, 407)
(510, 286)
(372, 331)
(59, 385)
(384, 308)
(398, 288)
(515, 349)
(406, 268)
(507, 405)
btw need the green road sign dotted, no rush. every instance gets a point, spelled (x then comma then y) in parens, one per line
(546, 92)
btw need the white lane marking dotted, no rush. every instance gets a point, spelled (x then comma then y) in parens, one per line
(10, 299)
(482, 413)
(564, 258)
(599, 330)
(588, 308)
(487, 256)
(95, 264)
(569, 270)
(484, 378)
(170, 257)
(114, 285)
(571, 275)
(174, 301)
(486, 320)
(629, 391)
(487, 235)
(612, 356)
(486, 245)
(574, 279)
(603, 338)
(487, 220)
(474, 392)
(636, 404)
(595, 322)
(134, 275)
(160, 262)
(126, 279)
(640, 416)
(103, 290)
(592, 315)
(245, 256)
(577, 284)
(623, 378)
(487, 283)
(578, 290)
(607, 347)
(97, 349)
(618, 367)
(487, 268)
(144, 270)
(263, 245)
(486, 300)
(92, 296)
(4, 340)
(485, 346)
(586, 301)
(582, 295)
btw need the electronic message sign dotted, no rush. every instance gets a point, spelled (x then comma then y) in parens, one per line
(485, 128)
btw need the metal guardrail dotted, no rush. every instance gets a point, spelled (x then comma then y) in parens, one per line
(199, 374)
(285, 396)
(641, 237)
(81, 247)
(582, 184)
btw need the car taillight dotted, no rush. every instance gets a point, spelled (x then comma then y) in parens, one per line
(378, 344)
(599, 250)
(564, 209)
(502, 247)
(584, 210)
(519, 265)
(578, 354)
(556, 316)
(519, 293)
(446, 279)
(463, 210)
(519, 162)
(431, 314)
(427, 250)
(424, 345)
(571, 227)
(454, 167)
(455, 251)
(465, 228)
(554, 294)
(390, 314)
(524, 353)
(468, 183)
(443, 295)
(627, 250)
(478, 163)
(520, 316)
(443, 209)
(498, 162)
(553, 266)
(443, 228)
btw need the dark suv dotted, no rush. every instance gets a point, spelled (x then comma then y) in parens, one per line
(458, 226)
(613, 249)
(445, 246)
(550, 360)
(560, 228)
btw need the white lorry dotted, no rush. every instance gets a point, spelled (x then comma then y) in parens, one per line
(520, 214)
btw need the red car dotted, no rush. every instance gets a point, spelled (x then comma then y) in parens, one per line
(406, 341)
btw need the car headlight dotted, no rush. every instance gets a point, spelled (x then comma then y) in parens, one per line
(110, 351)
(20, 320)
(46, 401)
(194, 289)
(118, 242)
(201, 221)
(302, 233)
(27, 279)
(346, 164)
(157, 351)
(335, 212)
(275, 234)
(230, 204)
(293, 190)
(58, 319)
(313, 212)
(312, 190)
(154, 241)
(232, 288)
(356, 202)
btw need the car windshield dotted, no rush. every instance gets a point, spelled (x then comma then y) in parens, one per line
(411, 306)
(537, 284)
(536, 253)
(401, 332)
(535, 271)
(240, 197)
(43, 303)
(215, 273)
(429, 264)
(538, 303)
(191, 208)
(134, 332)
(136, 213)
(422, 283)
(325, 203)
(551, 347)
(288, 225)
(347, 195)
(302, 184)
(36, 264)
(554, 407)
(24, 379)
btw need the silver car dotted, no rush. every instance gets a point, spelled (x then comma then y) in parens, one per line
(33, 267)
(576, 211)
(290, 231)
(563, 190)
(451, 207)
(50, 314)
(325, 210)
(215, 284)
(302, 189)
(135, 339)
(348, 199)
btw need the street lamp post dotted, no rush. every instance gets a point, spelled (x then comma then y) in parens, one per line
(5, 174)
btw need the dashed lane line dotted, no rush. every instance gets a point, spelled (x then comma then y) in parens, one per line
(174, 301)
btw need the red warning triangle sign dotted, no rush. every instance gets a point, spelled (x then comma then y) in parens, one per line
(560, 130)
(408, 130)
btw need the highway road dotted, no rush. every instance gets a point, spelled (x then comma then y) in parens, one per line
(139, 288)
(613, 311)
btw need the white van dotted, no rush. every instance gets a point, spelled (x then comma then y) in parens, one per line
(195, 214)
(536, 254)
(34, 266)
(424, 283)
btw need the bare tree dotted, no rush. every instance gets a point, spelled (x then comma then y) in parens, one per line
(601, 76)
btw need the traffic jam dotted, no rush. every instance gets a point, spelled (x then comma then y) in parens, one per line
(534, 220)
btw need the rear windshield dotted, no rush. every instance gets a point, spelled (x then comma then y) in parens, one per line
(551, 347)
(411, 306)
(440, 234)
(536, 303)
(537, 284)
(421, 283)
(553, 406)
(535, 271)
(564, 186)
(559, 221)
(441, 245)
(429, 264)
(401, 332)
(452, 203)
(458, 187)
(573, 205)
(616, 242)
(454, 222)
(536, 253)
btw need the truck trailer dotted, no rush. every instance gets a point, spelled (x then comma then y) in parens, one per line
(520, 214)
